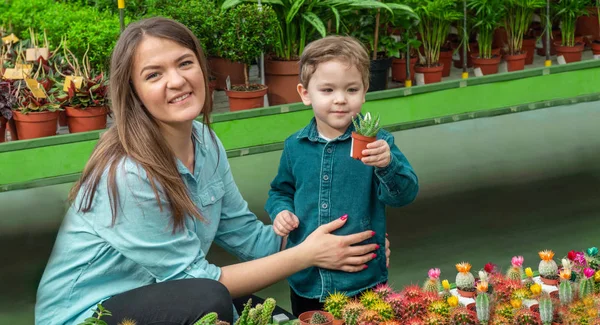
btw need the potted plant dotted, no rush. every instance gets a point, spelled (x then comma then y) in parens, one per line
(567, 11)
(465, 281)
(487, 16)
(365, 132)
(436, 17)
(316, 317)
(517, 19)
(254, 31)
(7, 103)
(257, 315)
(548, 268)
(406, 49)
(84, 96)
(596, 43)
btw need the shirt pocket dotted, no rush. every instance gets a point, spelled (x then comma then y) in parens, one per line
(211, 195)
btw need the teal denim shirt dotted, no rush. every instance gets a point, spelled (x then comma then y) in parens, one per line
(92, 260)
(319, 182)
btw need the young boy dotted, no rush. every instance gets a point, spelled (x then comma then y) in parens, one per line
(318, 181)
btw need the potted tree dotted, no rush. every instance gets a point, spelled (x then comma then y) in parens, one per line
(255, 29)
(519, 14)
(436, 17)
(567, 11)
(487, 16)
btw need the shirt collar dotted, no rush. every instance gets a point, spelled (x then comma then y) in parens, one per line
(311, 133)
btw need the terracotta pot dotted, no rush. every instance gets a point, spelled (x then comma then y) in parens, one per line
(529, 47)
(282, 77)
(62, 118)
(338, 322)
(500, 38)
(432, 74)
(570, 53)
(221, 68)
(587, 26)
(487, 66)
(515, 62)
(596, 47)
(35, 124)
(241, 100)
(11, 127)
(466, 294)
(550, 282)
(84, 120)
(458, 60)
(3, 123)
(446, 60)
(556, 35)
(399, 69)
(359, 143)
(305, 317)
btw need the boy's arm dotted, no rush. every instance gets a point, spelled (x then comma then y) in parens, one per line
(281, 194)
(398, 183)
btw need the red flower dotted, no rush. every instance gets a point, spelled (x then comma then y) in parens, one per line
(572, 255)
(490, 268)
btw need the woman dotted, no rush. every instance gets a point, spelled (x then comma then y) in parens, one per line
(155, 194)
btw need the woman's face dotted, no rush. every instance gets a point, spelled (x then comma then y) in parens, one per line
(168, 80)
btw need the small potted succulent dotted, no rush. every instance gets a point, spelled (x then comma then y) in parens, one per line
(7, 103)
(482, 303)
(257, 315)
(465, 281)
(316, 317)
(365, 132)
(565, 290)
(548, 268)
(515, 272)
(432, 284)
(335, 304)
(351, 313)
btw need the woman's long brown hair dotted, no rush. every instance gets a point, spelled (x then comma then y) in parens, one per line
(135, 133)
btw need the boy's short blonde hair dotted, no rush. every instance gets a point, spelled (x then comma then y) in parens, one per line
(343, 48)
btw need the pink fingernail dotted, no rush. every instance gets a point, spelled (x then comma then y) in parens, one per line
(372, 233)
(344, 217)
(374, 255)
(377, 247)
(364, 267)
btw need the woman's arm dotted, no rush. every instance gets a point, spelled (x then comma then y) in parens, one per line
(321, 249)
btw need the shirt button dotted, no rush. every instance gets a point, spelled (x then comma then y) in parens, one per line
(212, 198)
(329, 150)
(188, 268)
(324, 205)
(325, 177)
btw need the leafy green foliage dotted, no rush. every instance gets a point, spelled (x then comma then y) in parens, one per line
(486, 17)
(366, 125)
(99, 313)
(567, 11)
(517, 20)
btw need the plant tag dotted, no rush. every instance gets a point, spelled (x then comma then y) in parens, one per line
(10, 39)
(536, 18)
(34, 53)
(456, 55)
(597, 57)
(453, 30)
(228, 83)
(539, 43)
(420, 78)
(25, 67)
(478, 72)
(78, 80)
(14, 74)
(36, 88)
(561, 60)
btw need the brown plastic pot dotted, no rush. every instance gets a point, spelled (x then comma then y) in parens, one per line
(431, 74)
(35, 124)
(282, 78)
(221, 68)
(515, 62)
(570, 53)
(487, 66)
(596, 47)
(84, 120)
(446, 60)
(466, 294)
(359, 143)
(242, 100)
(399, 69)
(305, 317)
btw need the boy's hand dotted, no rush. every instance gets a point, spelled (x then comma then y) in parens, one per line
(285, 222)
(377, 154)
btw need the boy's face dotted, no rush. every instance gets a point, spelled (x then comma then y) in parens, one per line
(336, 93)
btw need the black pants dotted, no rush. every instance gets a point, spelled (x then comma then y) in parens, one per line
(179, 302)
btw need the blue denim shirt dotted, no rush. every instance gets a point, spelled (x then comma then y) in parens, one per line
(92, 260)
(319, 182)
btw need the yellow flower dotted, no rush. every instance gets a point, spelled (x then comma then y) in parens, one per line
(453, 301)
(592, 312)
(546, 255)
(482, 286)
(463, 267)
(536, 289)
(565, 274)
(597, 276)
(446, 285)
(516, 303)
(128, 322)
(529, 272)
(588, 301)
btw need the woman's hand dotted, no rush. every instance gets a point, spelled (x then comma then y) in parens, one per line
(335, 252)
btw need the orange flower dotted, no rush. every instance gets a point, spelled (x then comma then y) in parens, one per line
(565, 274)
(482, 286)
(516, 303)
(546, 255)
(463, 267)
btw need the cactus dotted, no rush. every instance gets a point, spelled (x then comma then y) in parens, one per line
(412, 291)
(463, 316)
(208, 319)
(435, 319)
(548, 268)
(352, 312)
(318, 318)
(335, 303)
(384, 310)
(546, 310)
(465, 279)
(439, 308)
(482, 305)
(432, 285)
(252, 317)
(505, 310)
(244, 317)
(395, 301)
(369, 317)
(586, 287)
(565, 293)
(369, 299)
(526, 317)
(413, 307)
(268, 307)
(383, 290)
(514, 273)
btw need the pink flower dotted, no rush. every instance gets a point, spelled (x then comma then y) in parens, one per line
(434, 273)
(588, 272)
(580, 258)
(517, 261)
